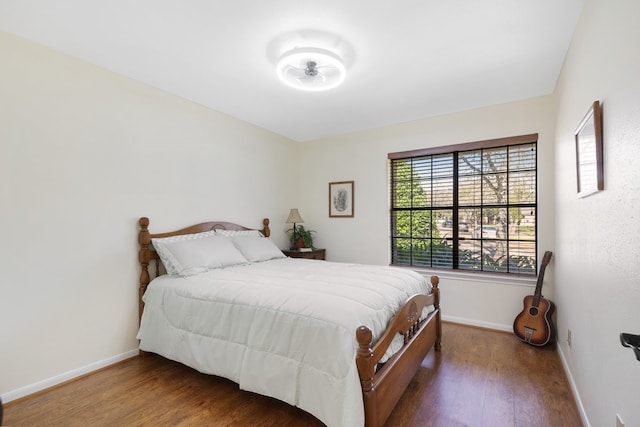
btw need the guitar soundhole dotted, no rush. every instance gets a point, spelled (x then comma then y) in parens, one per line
(533, 311)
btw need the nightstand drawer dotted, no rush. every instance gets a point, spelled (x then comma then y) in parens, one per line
(314, 254)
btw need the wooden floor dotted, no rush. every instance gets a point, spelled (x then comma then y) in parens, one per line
(481, 378)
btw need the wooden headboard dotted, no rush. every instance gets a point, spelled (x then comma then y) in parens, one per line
(147, 254)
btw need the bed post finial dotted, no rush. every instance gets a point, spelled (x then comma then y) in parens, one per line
(435, 281)
(364, 356)
(266, 231)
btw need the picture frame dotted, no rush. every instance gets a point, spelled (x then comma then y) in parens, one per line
(341, 199)
(589, 164)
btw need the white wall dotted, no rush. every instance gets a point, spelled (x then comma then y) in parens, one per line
(597, 273)
(83, 154)
(362, 157)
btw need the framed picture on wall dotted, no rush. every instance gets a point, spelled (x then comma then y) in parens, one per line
(589, 152)
(341, 199)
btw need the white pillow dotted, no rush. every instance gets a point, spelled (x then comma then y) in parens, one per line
(185, 257)
(158, 245)
(257, 249)
(232, 233)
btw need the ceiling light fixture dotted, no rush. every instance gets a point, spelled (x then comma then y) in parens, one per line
(311, 69)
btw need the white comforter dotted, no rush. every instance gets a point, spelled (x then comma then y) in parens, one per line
(283, 328)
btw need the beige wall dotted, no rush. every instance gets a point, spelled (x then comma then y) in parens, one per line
(83, 154)
(597, 273)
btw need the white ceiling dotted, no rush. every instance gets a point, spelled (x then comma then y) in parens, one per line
(406, 59)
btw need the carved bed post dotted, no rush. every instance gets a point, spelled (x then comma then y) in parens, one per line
(266, 230)
(435, 281)
(144, 256)
(364, 363)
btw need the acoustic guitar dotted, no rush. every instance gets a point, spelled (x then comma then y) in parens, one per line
(534, 324)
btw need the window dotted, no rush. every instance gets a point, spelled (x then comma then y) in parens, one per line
(466, 207)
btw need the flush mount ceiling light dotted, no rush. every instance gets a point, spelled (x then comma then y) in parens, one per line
(311, 69)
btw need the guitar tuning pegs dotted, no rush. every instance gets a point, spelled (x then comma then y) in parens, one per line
(633, 341)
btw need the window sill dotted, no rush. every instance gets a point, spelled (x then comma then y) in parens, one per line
(499, 279)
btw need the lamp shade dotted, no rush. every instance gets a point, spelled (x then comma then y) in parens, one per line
(294, 217)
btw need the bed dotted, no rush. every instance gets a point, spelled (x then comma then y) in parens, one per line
(341, 341)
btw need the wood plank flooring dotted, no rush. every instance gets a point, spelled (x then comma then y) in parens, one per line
(481, 378)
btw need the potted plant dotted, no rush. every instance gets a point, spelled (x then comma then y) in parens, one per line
(300, 237)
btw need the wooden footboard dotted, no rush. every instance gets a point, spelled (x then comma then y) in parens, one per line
(382, 389)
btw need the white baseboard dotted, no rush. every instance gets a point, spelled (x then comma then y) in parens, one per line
(58, 379)
(574, 389)
(478, 323)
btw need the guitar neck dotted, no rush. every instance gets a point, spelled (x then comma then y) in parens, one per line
(543, 266)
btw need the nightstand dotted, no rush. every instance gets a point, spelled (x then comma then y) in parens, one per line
(314, 254)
